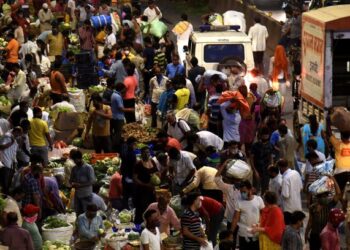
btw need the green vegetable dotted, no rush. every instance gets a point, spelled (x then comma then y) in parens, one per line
(73, 90)
(64, 109)
(133, 236)
(125, 216)
(155, 180)
(56, 245)
(53, 222)
(86, 157)
(4, 100)
(2, 204)
(96, 89)
(53, 164)
(107, 224)
(78, 142)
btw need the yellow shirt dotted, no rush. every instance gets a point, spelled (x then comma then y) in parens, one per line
(342, 154)
(100, 125)
(205, 176)
(38, 129)
(56, 44)
(183, 96)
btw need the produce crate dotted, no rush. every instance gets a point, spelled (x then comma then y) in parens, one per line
(96, 157)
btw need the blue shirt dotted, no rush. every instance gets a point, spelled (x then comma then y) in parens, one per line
(87, 229)
(164, 100)
(173, 70)
(117, 104)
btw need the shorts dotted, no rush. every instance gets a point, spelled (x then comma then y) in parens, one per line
(42, 151)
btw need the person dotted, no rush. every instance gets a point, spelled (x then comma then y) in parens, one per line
(15, 237)
(291, 239)
(131, 85)
(118, 116)
(204, 139)
(82, 178)
(312, 148)
(313, 130)
(231, 119)
(64, 103)
(287, 145)
(182, 30)
(235, 78)
(99, 201)
(19, 86)
(89, 224)
(58, 83)
(247, 214)
(45, 16)
(18, 32)
(193, 234)
(261, 158)
(175, 68)
(232, 152)
(150, 236)
(152, 12)
(53, 203)
(271, 224)
(318, 215)
(182, 94)
(166, 101)
(18, 115)
(177, 128)
(181, 168)
(330, 236)
(204, 177)
(166, 215)
(225, 241)
(193, 73)
(290, 192)
(258, 78)
(278, 70)
(30, 215)
(166, 142)
(12, 49)
(275, 183)
(39, 136)
(144, 189)
(115, 194)
(157, 87)
(12, 204)
(213, 213)
(258, 34)
(87, 39)
(99, 117)
(56, 43)
(111, 39)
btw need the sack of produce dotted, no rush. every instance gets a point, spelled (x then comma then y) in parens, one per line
(232, 17)
(175, 203)
(5, 105)
(117, 240)
(216, 19)
(55, 229)
(340, 118)
(125, 216)
(158, 28)
(53, 245)
(238, 169)
(322, 185)
(77, 98)
(325, 167)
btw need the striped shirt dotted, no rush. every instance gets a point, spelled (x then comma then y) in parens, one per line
(192, 221)
(160, 60)
(215, 114)
(8, 155)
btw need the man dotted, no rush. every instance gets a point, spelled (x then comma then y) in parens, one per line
(53, 203)
(177, 128)
(30, 214)
(148, 55)
(195, 71)
(182, 30)
(275, 183)
(291, 239)
(118, 116)
(166, 142)
(15, 237)
(165, 101)
(82, 178)
(330, 235)
(152, 12)
(12, 50)
(286, 145)
(117, 69)
(181, 167)
(19, 85)
(38, 135)
(258, 34)
(115, 194)
(64, 103)
(87, 39)
(111, 39)
(46, 17)
(290, 192)
(13, 205)
(175, 68)
(89, 224)
(150, 236)
(192, 232)
(247, 214)
(56, 43)
(203, 139)
(166, 215)
(99, 118)
(58, 83)
(231, 119)
(182, 94)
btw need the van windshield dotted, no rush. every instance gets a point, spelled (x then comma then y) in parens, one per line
(215, 53)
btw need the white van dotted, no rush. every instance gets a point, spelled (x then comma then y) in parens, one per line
(212, 47)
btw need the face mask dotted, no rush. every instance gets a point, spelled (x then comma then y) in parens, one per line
(126, 52)
(244, 195)
(32, 219)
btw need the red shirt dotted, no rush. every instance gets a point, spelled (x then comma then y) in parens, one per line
(173, 143)
(130, 83)
(273, 221)
(210, 206)
(115, 187)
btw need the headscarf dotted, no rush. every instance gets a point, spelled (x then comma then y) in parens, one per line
(280, 63)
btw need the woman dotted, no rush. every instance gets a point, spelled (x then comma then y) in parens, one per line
(144, 190)
(131, 85)
(313, 130)
(30, 216)
(278, 69)
(271, 224)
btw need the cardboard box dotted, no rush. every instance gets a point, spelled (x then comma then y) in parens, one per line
(66, 135)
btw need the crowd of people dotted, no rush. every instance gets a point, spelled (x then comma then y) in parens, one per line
(206, 120)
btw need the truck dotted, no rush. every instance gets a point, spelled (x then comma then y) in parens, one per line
(325, 63)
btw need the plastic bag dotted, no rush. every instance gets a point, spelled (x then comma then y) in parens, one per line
(273, 101)
(238, 169)
(209, 246)
(175, 203)
(340, 118)
(158, 28)
(325, 167)
(232, 17)
(216, 19)
(321, 185)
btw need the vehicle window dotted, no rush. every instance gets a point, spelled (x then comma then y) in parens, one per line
(215, 53)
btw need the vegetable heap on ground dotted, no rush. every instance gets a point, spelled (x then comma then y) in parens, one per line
(53, 222)
(141, 133)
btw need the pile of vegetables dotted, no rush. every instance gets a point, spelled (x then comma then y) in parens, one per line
(107, 166)
(141, 133)
(54, 222)
(5, 105)
(3, 43)
(87, 158)
(56, 245)
(64, 109)
(53, 164)
(96, 89)
(125, 216)
(133, 236)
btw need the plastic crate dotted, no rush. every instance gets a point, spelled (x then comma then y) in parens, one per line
(96, 157)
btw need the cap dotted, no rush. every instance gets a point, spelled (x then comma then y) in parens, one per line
(30, 209)
(45, 6)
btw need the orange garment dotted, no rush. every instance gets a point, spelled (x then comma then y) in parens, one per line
(130, 83)
(280, 63)
(58, 83)
(115, 186)
(12, 51)
(242, 105)
(273, 222)
(173, 143)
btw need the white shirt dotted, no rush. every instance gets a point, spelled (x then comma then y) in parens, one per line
(275, 186)
(258, 34)
(308, 166)
(207, 138)
(185, 36)
(111, 40)
(182, 167)
(45, 64)
(250, 214)
(71, 5)
(152, 14)
(29, 47)
(189, 85)
(178, 130)
(4, 126)
(153, 240)
(291, 188)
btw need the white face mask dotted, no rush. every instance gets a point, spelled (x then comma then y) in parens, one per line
(126, 52)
